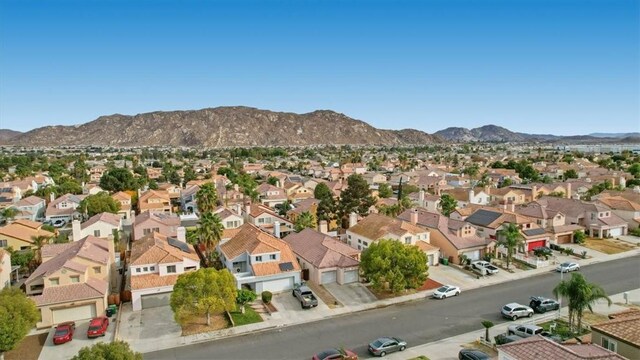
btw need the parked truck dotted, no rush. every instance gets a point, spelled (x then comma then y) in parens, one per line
(305, 296)
(484, 267)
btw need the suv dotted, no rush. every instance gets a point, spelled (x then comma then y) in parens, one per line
(514, 311)
(541, 305)
(524, 330)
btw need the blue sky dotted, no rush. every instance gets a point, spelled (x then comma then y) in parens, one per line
(560, 67)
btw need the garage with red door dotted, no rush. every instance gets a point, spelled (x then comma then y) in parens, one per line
(535, 244)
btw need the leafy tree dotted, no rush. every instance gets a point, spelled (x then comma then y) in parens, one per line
(471, 170)
(506, 182)
(117, 350)
(579, 237)
(326, 206)
(189, 174)
(385, 191)
(244, 297)
(207, 198)
(305, 220)
(389, 264)
(634, 169)
(582, 295)
(68, 186)
(99, 203)
(210, 230)
(9, 213)
(118, 179)
(447, 204)
(283, 208)
(272, 180)
(570, 174)
(21, 258)
(356, 198)
(203, 292)
(510, 237)
(18, 314)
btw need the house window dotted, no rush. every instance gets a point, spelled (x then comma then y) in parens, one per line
(349, 236)
(171, 269)
(97, 270)
(365, 243)
(96, 233)
(153, 268)
(261, 221)
(145, 269)
(146, 232)
(609, 344)
(359, 247)
(189, 268)
(54, 281)
(137, 270)
(75, 279)
(156, 229)
(359, 241)
(258, 258)
(272, 257)
(3, 243)
(407, 240)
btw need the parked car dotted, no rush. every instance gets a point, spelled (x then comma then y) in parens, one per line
(446, 291)
(524, 330)
(384, 345)
(59, 223)
(336, 354)
(98, 327)
(567, 267)
(514, 311)
(484, 267)
(64, 332)
(472, 354)
(305, 296)
(541, 305)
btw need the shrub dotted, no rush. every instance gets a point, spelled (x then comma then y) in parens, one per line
(583, 254)
(488, 257)
(266, 297)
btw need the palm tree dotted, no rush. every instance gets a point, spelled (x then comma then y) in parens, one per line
(210, 230)
(581, 294)
(510, 238)
(305, 220)
(487, 325)
(207, 198)
(39, 241)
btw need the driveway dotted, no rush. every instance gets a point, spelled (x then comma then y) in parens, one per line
(351, 294)
(289, 309)
(80, 340)
(137, 327)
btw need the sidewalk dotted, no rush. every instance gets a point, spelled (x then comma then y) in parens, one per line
(138, 329)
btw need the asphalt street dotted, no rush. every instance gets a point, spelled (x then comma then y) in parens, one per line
(417, 322)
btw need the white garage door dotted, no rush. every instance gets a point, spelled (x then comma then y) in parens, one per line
(156, 300)
(615, 232)
(350, 276)
(473, 255)
(278, 285)
(328, 277)
(74, 313)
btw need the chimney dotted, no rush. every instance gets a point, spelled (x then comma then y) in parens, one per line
(324, 227)
(238, 209)
(181, 234)
(568, 190)
(421, 198)
(472, 195)
(414, 216)
(534, 193)
(139, 193)
(247, 211)
(513, 207)
(52, 197)
(76, 231)
(353, 219)
(236, 187)
(276, 229)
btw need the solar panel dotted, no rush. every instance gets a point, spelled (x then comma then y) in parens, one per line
(483, 217)
(532, 232)
(179, 244)
(286, 266)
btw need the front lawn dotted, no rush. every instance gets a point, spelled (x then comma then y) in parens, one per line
(562, 328)
(607, 246)
(250, 316)
(28, 349)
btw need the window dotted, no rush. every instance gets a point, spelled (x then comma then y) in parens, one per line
(137, 270)
(3, 243)
(365, 243)
(96, 233)
(609, 344)
(153, 268)
(145, 269)
(359, 241)
(156, 229)
(189, 268)
(261, 221)
(272, 257)
(75, 279)
(146, 232)
(97, 270)
(407, 240)
(171, 269)
(54, 281)
(258, 258)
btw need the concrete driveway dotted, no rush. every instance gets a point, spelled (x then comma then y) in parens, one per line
(80, 340)
(351, 294)
(137, 327)
(289, 308)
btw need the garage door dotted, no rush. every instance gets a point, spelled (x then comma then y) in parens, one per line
(564, 239)
(473, 255)
(278, 285)
(535, 244)
(74, 313)
(328, 277)
(350, 276)
(615, 232)
(156, 300)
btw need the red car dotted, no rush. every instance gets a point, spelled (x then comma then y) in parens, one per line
(336, 354)
(64, 332)
(98, 327)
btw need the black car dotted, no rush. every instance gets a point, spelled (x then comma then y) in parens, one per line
(472, 354)
(542, 251)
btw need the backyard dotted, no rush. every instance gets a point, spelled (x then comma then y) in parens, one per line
(608, 246)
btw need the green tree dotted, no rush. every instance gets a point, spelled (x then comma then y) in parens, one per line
(570, 174)
(326, 204)
(509, 237)
(99, 203)
(210, 230)
(18, 314)
(117, 350)
(356, 198)
(272, 180)
(487, 325)
(39, 242)
(579, 237)
(385, 191)
(244, 297)
(283, 208)
(189, 174)
(391, 265)
(207, 198)
(506, 182)
(305, 220)
(9, 213)
(118, 179)
(203, 292)
(447, 204)
(581, 295)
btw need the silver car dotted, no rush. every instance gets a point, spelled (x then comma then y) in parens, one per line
(568, 266)
(384, 345)
(514, 311)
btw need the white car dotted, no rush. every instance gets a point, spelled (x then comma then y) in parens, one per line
(446, 291)
(568, 266)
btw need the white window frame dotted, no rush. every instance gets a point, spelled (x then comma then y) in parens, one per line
(609, 344)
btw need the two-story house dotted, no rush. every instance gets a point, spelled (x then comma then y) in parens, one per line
(149, 222)
(553, 222)
(620, 334)
(125, 204)
(271, 195)
(265, 218)
(64, 207)
(626, 209)
(229, 218)
(19, 234)
(489, 222)
(73, 281)
(154, 201)
(259, 260)
(30, 208)
(155, 264)
(466, 196)
(99, 225)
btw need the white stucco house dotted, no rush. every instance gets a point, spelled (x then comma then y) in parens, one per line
(100, 225)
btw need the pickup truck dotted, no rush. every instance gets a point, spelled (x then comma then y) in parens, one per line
(524, 330)
(306, 297)
(484, 267)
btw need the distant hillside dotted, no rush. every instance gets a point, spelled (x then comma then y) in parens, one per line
(615, 135)
(485, 133)
(6, 134)
(222, 127)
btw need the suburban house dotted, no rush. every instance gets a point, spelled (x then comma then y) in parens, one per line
(508, 195)
(64, 207)
(466, 196)
(324, 259)
(374, 178)
(19, 234)
(297, 192)
(72, 283)
(188, 201)
(453, 237)
(535, 191)
(172, 190)
(148, 222)
(626, 209)
(377, 226)
(620, 334)
(265, 218)
(91, 189)
(154, 201)
(5, 269)
(271, 195)
(30, 208)
(553, 222)
(229, 218)
(125, 204)
(538, 347)
(156, 262)
(99, 225)
(307, 205)
(259, 260)
(490, 221)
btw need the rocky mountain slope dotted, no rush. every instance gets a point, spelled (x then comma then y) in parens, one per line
(221, 127)
(484, 133)
(6, 135)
